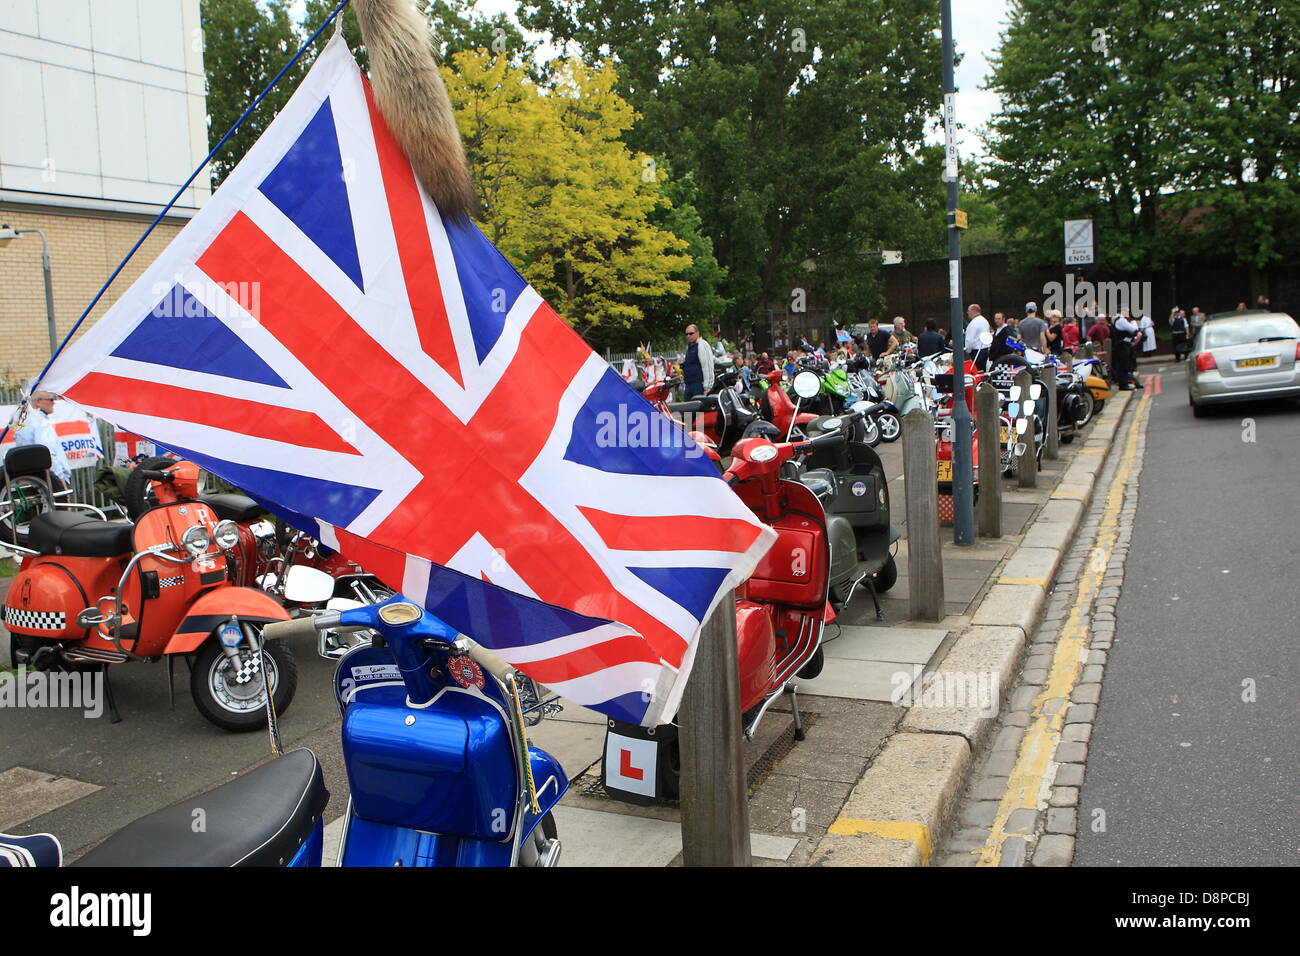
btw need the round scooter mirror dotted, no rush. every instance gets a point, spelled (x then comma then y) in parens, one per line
(807, 384)
(304, 585)
(986, 338)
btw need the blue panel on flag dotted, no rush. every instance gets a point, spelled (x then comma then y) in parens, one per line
(181, 333)
(692, 588)
(628, 707)
(619, 431)
(307, 186)
(488, 282)
(333, 501)
(495, 617)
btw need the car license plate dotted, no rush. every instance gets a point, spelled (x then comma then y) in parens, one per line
(945, 470)
(1264, 361)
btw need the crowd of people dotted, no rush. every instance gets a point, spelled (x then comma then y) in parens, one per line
(1118, 339)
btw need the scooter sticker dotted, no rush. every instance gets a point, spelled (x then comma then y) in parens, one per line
(465, 672)
(369, 672)
(859, 488)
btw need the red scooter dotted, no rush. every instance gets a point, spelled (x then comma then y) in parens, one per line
(781, 611)
(92, 592)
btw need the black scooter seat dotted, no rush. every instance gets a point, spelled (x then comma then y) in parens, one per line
(234, 507)
(78, 535)
(259, 819)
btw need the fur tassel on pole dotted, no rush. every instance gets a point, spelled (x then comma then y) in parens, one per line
(414, 102)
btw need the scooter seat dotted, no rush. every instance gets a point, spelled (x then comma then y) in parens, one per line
(78, 535)
(234, 507)
(259, 819)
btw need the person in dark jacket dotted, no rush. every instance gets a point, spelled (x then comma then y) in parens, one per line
(930, 341)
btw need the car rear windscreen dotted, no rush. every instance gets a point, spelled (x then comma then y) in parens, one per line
(1241, 331)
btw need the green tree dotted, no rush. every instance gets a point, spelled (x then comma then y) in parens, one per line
(245, 44)
(562, 196)
(1172, 125)
(800, 128)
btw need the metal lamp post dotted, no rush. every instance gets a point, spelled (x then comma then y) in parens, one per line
(963, 471)
(7, 235)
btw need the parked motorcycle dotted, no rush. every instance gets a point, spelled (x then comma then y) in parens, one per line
(92, 592)
(436, 751)
(781, 611)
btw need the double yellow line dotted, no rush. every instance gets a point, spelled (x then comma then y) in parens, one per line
(1028, 784)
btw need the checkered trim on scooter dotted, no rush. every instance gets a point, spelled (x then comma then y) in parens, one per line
(247, 668)
(172, 581)
(34, 620)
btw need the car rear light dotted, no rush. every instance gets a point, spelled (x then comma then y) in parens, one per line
(1205, 362)
(1297, 351)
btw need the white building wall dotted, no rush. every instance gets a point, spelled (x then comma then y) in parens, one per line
(102, 103)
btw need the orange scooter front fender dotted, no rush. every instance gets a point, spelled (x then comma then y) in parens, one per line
(216, 607)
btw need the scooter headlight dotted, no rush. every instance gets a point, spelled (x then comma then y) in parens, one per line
(226, 534)
(196, 541)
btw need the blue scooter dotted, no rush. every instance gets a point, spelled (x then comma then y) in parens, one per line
(436, 752)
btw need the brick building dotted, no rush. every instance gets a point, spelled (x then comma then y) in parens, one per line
(103, 114)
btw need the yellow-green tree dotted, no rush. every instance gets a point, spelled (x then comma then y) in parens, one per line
(562, 196)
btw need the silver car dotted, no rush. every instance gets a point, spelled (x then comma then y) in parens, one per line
(1240, 356)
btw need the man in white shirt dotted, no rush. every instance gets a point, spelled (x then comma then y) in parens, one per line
(976, 326)
(38, 429)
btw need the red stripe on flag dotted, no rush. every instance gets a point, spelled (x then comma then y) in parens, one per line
(580, 663)
(414, 247)
(240, 415)
(671, 533)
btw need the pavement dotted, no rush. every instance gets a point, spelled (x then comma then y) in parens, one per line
(874, 782)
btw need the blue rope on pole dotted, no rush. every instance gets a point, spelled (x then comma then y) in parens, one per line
(184, 186)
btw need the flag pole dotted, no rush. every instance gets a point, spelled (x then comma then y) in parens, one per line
(172, 202)
(714, 789)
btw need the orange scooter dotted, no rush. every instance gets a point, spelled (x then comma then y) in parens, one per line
(92, 592)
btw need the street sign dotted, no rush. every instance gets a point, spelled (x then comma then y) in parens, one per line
(1080, 242)
(962, 219)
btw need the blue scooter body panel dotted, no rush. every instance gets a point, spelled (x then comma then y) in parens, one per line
(441, 790)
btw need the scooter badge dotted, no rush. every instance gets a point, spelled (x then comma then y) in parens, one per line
(465, 672)
(859, 488)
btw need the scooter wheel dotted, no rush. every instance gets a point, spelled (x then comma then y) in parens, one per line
(890, 427)
(241, 707)
(814, 665)
(887, 576)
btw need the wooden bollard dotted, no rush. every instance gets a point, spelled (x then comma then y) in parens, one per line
(924, 552)
(714, 790)
(988, 508)
(1027, 464)
(1051, 444)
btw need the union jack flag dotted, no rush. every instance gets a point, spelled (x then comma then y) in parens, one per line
(322, 337)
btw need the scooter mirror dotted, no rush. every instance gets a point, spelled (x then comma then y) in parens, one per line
(1022, 426)
(1028, 409)
(1013, 394)
(332, 644)
(807, 384)
(1020, 449)
(304, 585)
(986, 339)
(1035, 391)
